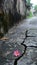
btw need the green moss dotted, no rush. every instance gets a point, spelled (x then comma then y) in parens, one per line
(30, 15)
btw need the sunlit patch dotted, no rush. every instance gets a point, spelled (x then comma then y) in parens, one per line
(16, 53)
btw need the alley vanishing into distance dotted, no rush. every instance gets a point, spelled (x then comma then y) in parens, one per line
(15, 37)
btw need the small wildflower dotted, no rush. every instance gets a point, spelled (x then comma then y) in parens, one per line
(16, 53)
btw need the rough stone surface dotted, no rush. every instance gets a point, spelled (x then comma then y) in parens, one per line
(17, 34)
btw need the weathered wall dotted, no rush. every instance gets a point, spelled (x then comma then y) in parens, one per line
(21, 7)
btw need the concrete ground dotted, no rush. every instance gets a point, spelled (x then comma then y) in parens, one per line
(15, 37)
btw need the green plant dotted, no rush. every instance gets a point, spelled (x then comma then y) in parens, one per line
(30, 15)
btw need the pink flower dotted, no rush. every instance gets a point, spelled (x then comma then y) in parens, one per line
(16, 53)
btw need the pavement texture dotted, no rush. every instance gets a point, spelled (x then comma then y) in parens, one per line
(15, 37)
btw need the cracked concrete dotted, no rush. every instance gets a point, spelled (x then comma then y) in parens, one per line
(17, 34)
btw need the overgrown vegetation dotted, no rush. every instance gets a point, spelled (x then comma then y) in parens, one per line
(35, 10)
(28, 5)
(30, 15)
